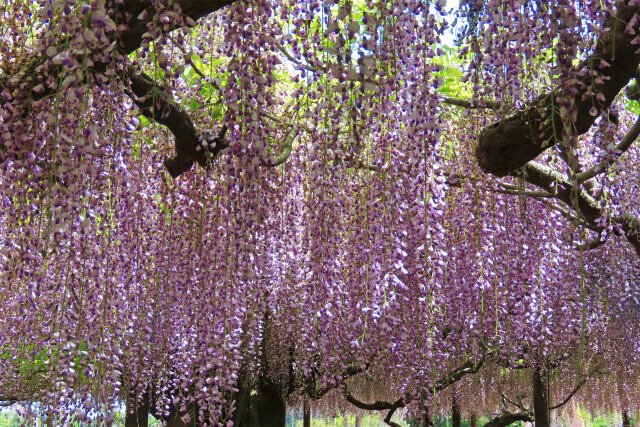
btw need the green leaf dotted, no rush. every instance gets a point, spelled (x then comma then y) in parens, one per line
(194, 104)
(632, 106)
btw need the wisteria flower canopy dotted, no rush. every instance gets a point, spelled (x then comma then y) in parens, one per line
(215, 209)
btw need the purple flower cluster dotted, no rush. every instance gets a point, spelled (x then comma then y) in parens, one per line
(377, 245)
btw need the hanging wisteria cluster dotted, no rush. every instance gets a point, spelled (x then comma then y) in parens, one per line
(207, 200)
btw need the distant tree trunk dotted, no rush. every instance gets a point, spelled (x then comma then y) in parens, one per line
(456, 419)
(358, 421)
(541, 395)
(137, 412)
(624, 399)
(473, 419)
(263, 403)
(306, 413)
(175, 418)
(262, 406)
(426, 421)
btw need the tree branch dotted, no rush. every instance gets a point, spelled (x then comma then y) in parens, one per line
(465, 103)
(136, 15)
(578, 199)
(507, 418)
(397, 404)
(378, 405)
(562, 189)
(577, 388)
(517, 405)
(623, 146)
(287, 146)
(570, 395)
(310, 387)
(469, 367)
(631, 227)
(158, 105)
(511, 142)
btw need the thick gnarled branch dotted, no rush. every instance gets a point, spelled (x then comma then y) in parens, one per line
(507, 418)
(159, 106)
(554, 182)
(623, 146)
(378, 405)
(465, 103)
(512, 142)
(469, 367)
(153, 101)
(579, 200)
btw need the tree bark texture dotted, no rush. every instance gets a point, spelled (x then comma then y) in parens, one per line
(306, 413)
(137, 412)
(513, 141)
(540, 396)
(456, 419)
(473, 420)
(263, 406)
(506, 419)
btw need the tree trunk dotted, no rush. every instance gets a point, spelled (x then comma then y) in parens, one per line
(358, 421)
(175, 417)
(626, 421)
(507, 418)
(456, 419)
(473, 420)
(426, 422)
(541, 395)
(306, 413)
(264, 401)
(262, 406)
(137, 412)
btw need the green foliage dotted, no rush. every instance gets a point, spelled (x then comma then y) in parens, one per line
(446, 422)
(598, 420)
(9, 420)
(632, 106)
(369, 420)
(451, 74)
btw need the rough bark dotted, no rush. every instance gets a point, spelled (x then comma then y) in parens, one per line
(469, 367)
(507, 418)
(22, 83)
(578, 199)
(473, 420)
(519, 138)
(129, 40)
(137, 412)
(159, 106)
(540, 396)
(456, 418)
(306, 414)
(263, 406)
